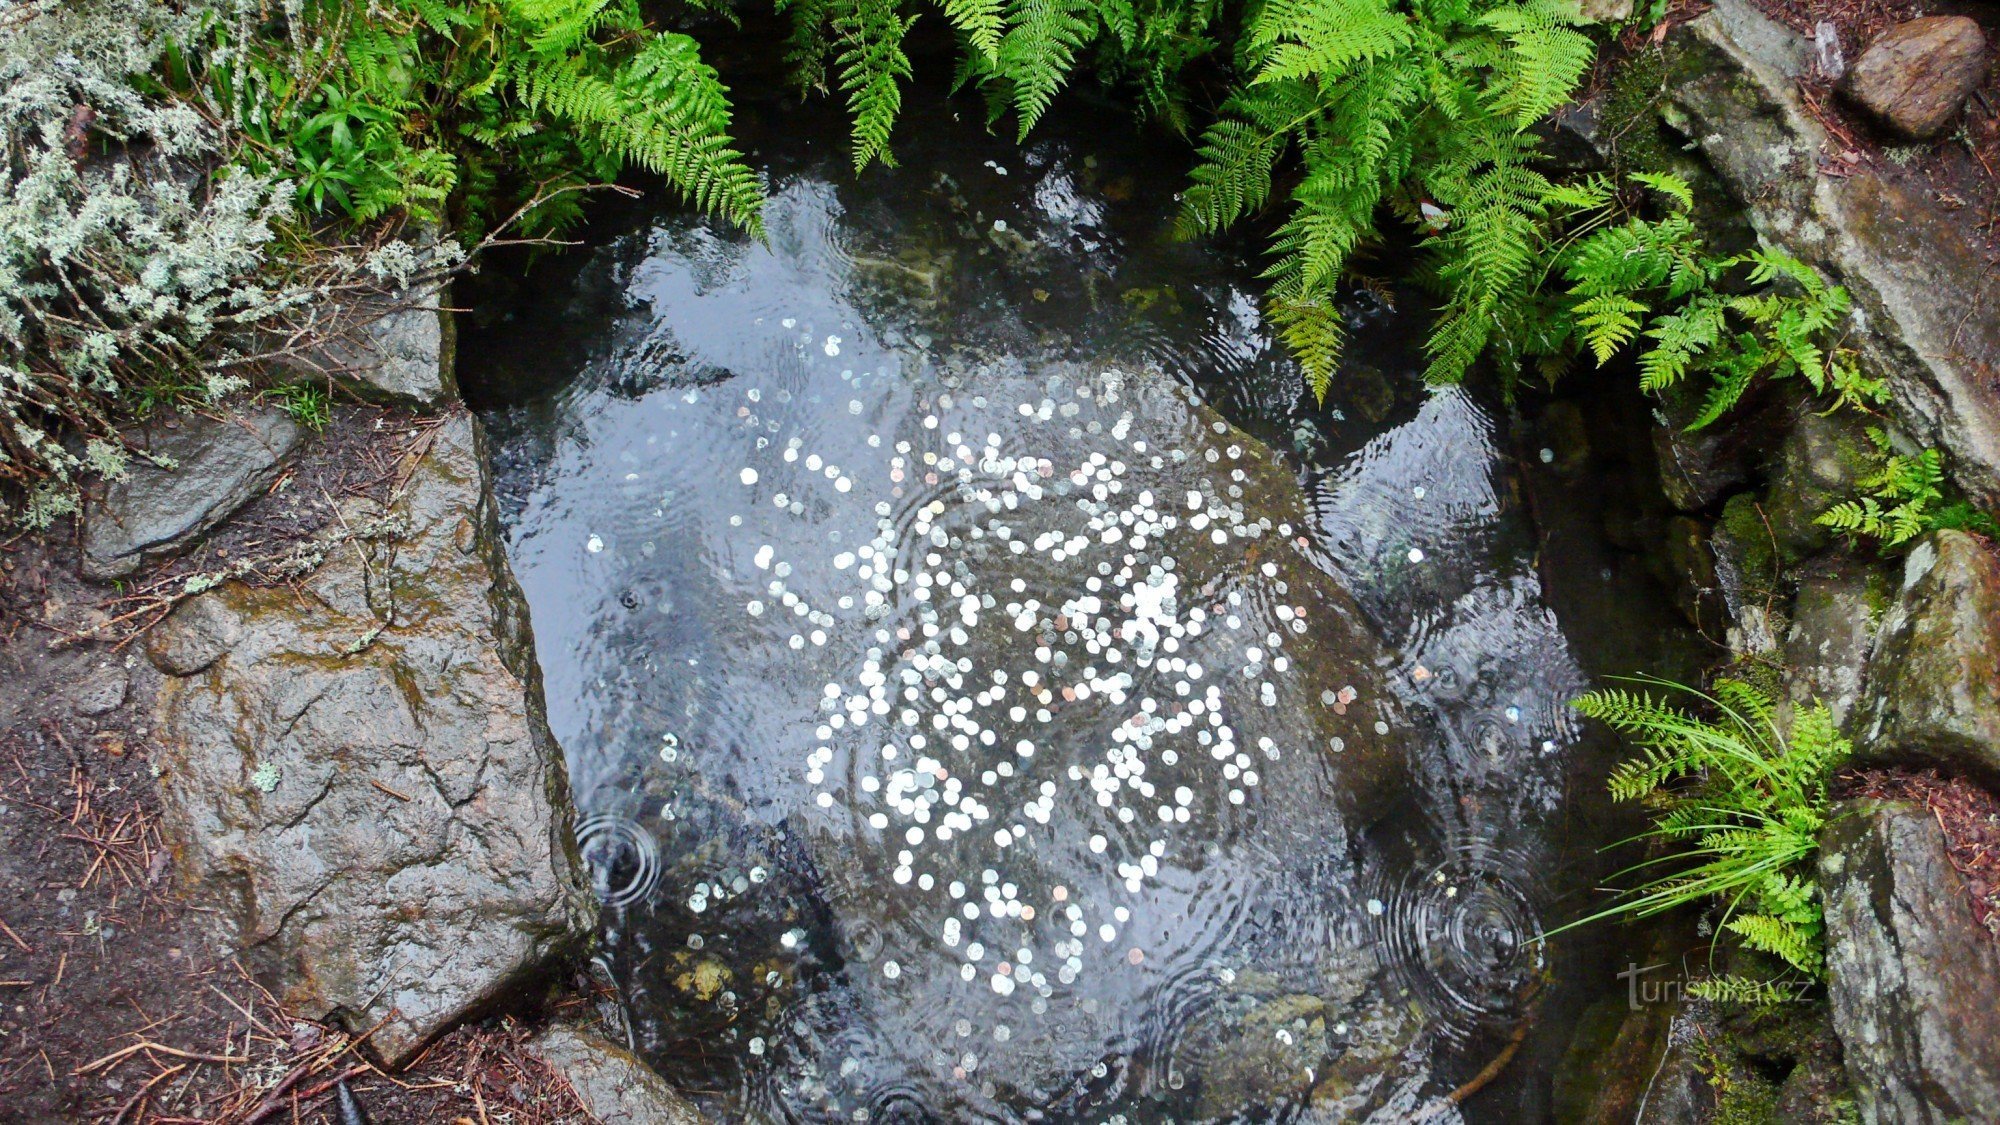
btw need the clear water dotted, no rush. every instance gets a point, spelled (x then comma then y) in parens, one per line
(993, 693)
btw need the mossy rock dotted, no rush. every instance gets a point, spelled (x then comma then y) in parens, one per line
(1817, 466)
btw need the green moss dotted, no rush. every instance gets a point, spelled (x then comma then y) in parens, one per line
(1748, 537)
(1630, 115)
(1880, 591)
(1743, 1096)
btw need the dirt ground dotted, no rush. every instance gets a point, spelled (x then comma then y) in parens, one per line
(1968, 815)
(116, 1004)
(1961, 170)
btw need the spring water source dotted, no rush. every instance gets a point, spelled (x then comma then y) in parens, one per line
(992, 693)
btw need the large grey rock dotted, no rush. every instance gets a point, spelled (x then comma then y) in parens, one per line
(396, 349)
(357, 776)
(1699, 468)
(1832, 630)
(1933, 681)
(209, 469)
(1915, 77)
(1815, 468)
(1927, 318)
(1911, 976)
(404, 356)
(614, 1086)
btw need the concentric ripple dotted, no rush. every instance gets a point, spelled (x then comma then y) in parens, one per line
(623, 858)
(1463, 935)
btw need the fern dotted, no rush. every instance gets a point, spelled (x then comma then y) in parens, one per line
(1740, 798)
(982, 22)
(1419, 106)
(872, 64)
(1904, 498)
(1035, 56)
(1652, 285)
(663, 108)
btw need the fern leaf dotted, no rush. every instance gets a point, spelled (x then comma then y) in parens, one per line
(1039, 49)
(982, 21)
(872, 64)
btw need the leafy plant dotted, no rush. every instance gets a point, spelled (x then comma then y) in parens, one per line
(1903, 499)
(308, 404)
(1421, 106)
(1738, 803)
(1733, 320)
(123, 278)
(396, 105)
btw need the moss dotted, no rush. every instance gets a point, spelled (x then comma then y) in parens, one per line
(1747, 537)
(1746, 1099)
(1880, 591)
(1630, 115)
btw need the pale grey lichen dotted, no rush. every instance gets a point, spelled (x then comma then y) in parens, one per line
(130, 248)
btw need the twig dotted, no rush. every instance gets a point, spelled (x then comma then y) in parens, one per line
(132, 1102)
(275, 1100)
(148, 1045)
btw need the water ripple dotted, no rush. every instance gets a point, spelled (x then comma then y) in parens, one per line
(1463, 935)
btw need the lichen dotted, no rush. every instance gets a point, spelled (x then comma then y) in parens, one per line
(265, 777)
(132, 253)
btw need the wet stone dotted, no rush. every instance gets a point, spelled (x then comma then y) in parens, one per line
(1911, 975)
(358, 785)
(614, 1086)
(1915, 77)
(208, 468)
(1932, 685)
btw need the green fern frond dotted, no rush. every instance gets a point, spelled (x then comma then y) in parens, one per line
(872, 64)
(983, 22)
(1313, 329)
(1739, 803)
(1547, 59)
(1669, 185)
(1040, 47)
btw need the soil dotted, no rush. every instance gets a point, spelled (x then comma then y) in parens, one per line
(1960, 171)
(1968, 815)
(116, 1002)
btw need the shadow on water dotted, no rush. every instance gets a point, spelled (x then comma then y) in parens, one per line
(972, 456)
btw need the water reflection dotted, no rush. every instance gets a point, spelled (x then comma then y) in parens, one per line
(994, 695)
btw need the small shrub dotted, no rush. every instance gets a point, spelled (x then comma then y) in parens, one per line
(1903, 499)
(1738, 803)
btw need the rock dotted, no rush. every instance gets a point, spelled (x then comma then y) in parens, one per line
(358, 777)
(1932, 687)
(1911, 976)
(1269, 1053)
(611, 1082)
(1914, 78)
(1606, 11)
(1833, 621)
(1815, 468)
(101, 691)
(1572, 136)
(211, 469)
(1698, 592)
(397, 350)
(1827, 57)
(1612, 1055)
(195, 635)
(406, 355)
(1678, 1091)
(1927, 319)
(1697, 469)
